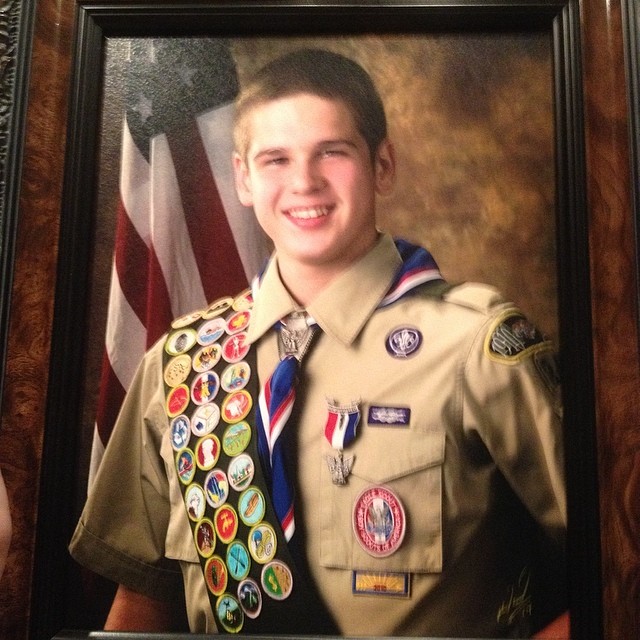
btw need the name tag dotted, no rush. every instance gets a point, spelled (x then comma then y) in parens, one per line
(389, 416)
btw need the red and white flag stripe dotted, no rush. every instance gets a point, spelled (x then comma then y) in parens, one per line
(182, 240)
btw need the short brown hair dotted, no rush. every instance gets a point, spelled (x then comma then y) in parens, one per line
(318, 72)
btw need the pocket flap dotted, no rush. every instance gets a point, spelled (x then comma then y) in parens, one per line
(423, 451)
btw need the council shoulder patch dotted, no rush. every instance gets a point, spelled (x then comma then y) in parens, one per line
(512, 338)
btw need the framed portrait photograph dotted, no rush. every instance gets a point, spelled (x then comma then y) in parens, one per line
(483, 104)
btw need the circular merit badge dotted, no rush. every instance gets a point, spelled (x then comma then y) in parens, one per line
(240, 472)
(236, 406)
(177, 370)
(379, 521)
(239, 321)
(180, 341)
(235, 347)
(216, 488)
(226, 521)
(206, 358)
(238, 560)
(250, 597)
(186, 319)
(205, 419)
(205, 538)
(229, 613)
(207, 452)
(262, 543)
(277, 580)
(177, 400)
(236, 438)
(217, 308)
(205, 387)
(243, 300)
(251, 506)
(211, 331)
(195, 502)
(186, 465)
(235, 376)
(180, 432)
(216, 575)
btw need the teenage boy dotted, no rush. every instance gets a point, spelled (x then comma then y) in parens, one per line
(387, 448)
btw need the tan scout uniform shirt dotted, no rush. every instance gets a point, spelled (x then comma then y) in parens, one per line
(480, 461)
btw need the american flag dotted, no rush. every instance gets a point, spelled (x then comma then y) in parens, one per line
(182, 237)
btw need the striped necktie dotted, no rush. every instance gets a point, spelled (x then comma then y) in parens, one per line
(275, 406)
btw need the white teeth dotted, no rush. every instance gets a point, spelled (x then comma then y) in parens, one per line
(311, 212)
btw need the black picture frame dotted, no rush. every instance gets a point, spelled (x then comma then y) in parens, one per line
(96, 21)
(631, 30)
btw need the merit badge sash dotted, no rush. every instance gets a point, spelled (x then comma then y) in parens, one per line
(211, 391)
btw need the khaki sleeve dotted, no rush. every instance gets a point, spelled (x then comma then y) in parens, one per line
(122, 529)
(511, 401)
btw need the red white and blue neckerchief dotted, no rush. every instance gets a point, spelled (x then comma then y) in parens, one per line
(277, 396)
(418, 266)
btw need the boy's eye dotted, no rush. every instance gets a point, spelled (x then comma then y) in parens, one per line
(332, 152)
(274, 161)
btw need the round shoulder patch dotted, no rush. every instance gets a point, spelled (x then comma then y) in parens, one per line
(512, 338)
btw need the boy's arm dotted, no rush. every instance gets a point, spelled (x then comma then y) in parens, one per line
(133, 611)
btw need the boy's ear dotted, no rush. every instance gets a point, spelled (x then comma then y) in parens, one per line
(242, 180)
(385, 168)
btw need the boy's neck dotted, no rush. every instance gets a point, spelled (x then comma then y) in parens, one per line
(305, 282)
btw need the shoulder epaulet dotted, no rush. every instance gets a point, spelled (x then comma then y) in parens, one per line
(473, 295)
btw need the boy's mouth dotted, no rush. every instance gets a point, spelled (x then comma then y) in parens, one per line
(308, 213)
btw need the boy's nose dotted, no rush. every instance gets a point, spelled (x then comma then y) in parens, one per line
(306, 177)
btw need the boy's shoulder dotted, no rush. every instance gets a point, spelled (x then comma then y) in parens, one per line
(475, 296)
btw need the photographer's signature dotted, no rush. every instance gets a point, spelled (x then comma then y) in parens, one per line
(519, 603)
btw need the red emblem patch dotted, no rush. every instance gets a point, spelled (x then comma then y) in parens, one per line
(379, 521)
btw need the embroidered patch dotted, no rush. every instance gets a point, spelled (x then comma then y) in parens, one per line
(379, 521)
(262, 543)
(512, 338)
(216, 575)
(229, 613)
(238, 561)
(250, 597)
(195, 502)
(378, 583)
(177, 371)
(277, 580)
(205, 538)
(180, 342)
(226, 521)
(180, 432)
(389, 416)
(210, 332)
(403, 342)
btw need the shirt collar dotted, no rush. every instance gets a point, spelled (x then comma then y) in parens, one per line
(343, 307)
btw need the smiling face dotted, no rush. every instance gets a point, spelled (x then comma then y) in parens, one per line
(310, 177)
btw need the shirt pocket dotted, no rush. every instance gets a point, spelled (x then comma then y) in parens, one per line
(411, 468)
